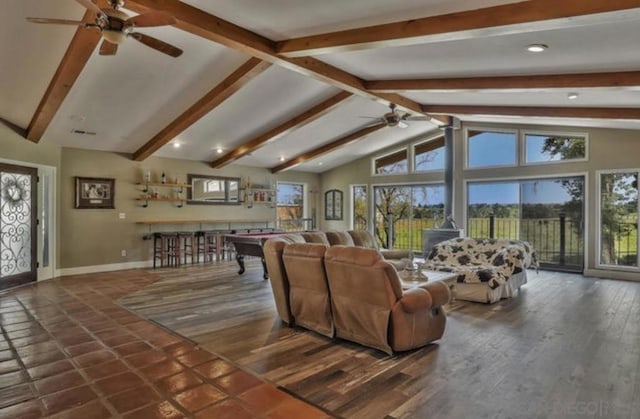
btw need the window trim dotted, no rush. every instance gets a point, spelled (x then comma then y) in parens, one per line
(523, 146)
(466, 147)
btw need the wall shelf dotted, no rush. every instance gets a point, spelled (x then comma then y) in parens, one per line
(259, 195)
(146, 200)
(179, 188)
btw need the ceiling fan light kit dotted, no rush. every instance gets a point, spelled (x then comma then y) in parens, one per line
(395, 119)
(116, 26)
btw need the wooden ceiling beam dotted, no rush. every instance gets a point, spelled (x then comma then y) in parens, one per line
(524, 16)
(326, 148)
(291, 125)
(216, 96)
(82, 44)
(546, 111)
(543, 81)
(213, 28)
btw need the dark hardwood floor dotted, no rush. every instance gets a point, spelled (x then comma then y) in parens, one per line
(568, 346)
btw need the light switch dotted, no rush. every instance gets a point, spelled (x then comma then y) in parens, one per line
(122, 215)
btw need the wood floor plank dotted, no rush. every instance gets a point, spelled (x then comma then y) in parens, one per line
(564, 340)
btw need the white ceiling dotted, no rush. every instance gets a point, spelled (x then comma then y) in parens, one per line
(128, 98)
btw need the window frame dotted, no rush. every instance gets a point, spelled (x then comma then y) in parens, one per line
(466, 147)
(352, 202)
(432, 137)
(406, 149)
(523, 146)
(598, 233)
(305, 203)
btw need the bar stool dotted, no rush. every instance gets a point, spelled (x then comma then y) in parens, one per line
(185, 246)
(207, 245)
(165, 245)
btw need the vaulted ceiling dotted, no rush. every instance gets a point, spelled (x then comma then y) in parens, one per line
(287, 84)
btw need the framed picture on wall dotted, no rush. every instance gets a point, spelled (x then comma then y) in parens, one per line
(333, 205)
(93, 192)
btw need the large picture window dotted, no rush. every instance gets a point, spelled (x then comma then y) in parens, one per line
(547, 212)
(403, 211)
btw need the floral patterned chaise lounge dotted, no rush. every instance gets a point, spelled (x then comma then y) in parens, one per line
(487, 269)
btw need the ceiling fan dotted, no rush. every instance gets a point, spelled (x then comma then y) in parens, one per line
(396, 119)
(115, 26)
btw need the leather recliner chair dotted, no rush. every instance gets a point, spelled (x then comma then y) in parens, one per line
(272, 250)
(308, 289)
(370, 307)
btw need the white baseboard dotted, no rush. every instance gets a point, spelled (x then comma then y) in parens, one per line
(611, 274)
(81, 270)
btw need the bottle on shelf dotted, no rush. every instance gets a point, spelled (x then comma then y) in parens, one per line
(163, 179)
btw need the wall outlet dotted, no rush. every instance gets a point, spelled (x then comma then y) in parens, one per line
(123, 253)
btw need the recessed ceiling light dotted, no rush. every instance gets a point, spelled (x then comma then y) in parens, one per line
(572, 96)
(281, 158)
(320, 163)
(219, 150)
(176, 145)
(537, 47)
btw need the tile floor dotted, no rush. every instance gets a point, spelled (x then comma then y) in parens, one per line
(68, 351)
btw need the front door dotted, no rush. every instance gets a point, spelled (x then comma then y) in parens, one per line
(17, 225)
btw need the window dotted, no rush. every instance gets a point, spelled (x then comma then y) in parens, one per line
(491, 148)
(619, 219)
(394, 163)
(429, 155)
(403, 211)
(290, 206)
(543, 148)
(548, 213)
(360, 209)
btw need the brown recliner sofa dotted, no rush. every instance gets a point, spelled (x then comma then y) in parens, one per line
(369, 306)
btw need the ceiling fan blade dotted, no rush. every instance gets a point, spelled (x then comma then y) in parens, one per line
(418, 118)
(108, 48)
(56, 21)
(91, 6)
(157, 44)
(402, 124)
(151, 19)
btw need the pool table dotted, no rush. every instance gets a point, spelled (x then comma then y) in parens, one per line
(250, 244)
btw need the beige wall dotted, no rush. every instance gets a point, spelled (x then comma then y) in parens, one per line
(608, 149)
(91, 237)
(15, 147)
(97, 236)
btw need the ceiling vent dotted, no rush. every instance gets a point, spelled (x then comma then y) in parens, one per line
(82, 132)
